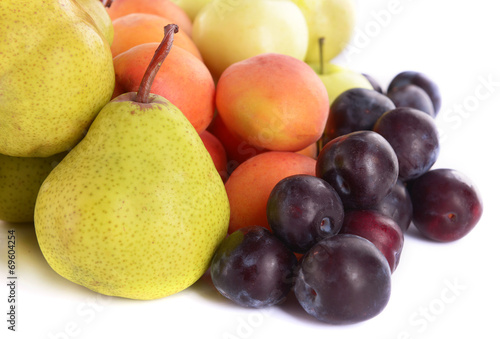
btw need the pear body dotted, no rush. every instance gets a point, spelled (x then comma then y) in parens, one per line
(56, 73)
(20, 180)
(96, 10)
(137, 208)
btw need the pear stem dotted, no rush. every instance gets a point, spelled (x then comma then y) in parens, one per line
(107, 3)
(155, 64)
(321, 61)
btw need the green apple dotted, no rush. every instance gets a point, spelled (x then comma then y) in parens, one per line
(332, 19)
(191, 7)
(228, 31)
(338, 79)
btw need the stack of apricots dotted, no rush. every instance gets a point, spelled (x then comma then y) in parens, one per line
(260, 120)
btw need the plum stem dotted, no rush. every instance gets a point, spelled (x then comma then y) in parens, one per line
(321, 61)
(156, 62)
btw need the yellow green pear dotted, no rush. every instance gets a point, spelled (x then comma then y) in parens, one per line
(56, 73)
(137, 208)
(20, 180)
(96, 9)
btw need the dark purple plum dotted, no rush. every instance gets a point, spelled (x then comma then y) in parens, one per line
(253, 268)
(355, 110)
(343, 279)
(397, 205)
(381, 230)
(412, 96)
(303, 209)
(446, 204)
(414, 137)
(361, 166)
(375, 84)
(421, 80)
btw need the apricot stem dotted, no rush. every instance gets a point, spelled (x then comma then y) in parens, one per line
(321, 61)
(156, 62)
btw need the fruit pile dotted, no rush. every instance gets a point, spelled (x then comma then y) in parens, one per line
(346, 222)
(218, 134)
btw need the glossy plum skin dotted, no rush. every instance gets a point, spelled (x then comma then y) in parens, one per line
(303, 209)
(414, 137)
(397, 205)
(447, 205)
(253, 268)
(412, 96)
(361, 166)
(381, 230)
(421, 80)
(343, 279)
(354, 110)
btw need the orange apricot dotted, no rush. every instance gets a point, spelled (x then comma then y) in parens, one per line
(138, 28)
(249, 186)
(273, 101)
(164, 8)
(217, 152)
(184, 80)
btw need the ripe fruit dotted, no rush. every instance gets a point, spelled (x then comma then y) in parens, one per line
(273, 101)
(446, 203)
(217, 152)
(227, 32)
(163, 8)
(397, 205)
(412, 96)
(381, 230)
(355, 109)
(414, 137)
(140, 28)
(343, 279)
(249, 186)
(253, 268)
(421, 80)
(330, 19)
(191, 7)
(137, 208)
(20, 180)
(303, 209)
(338, 79)
(361, 166)
(56, 74)
(185, 82)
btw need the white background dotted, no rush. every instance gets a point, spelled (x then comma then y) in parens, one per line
(457, 44)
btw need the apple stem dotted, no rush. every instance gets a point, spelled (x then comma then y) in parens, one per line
(321, 61)
(156, 62)
(107, 3)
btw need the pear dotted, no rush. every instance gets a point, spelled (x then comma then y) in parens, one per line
(20, 180)
(56, 74)
(97, 10)
(137, 208)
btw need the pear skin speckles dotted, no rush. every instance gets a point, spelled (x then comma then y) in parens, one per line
(137, 208)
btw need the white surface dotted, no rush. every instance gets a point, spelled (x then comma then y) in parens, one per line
(456, 44)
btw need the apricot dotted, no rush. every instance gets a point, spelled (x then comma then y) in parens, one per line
(310, 151)
(164, 8)
(249, 186)
(237, 149)
(217, 152)
(138, 28)
(273, 101)
(184, 80)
